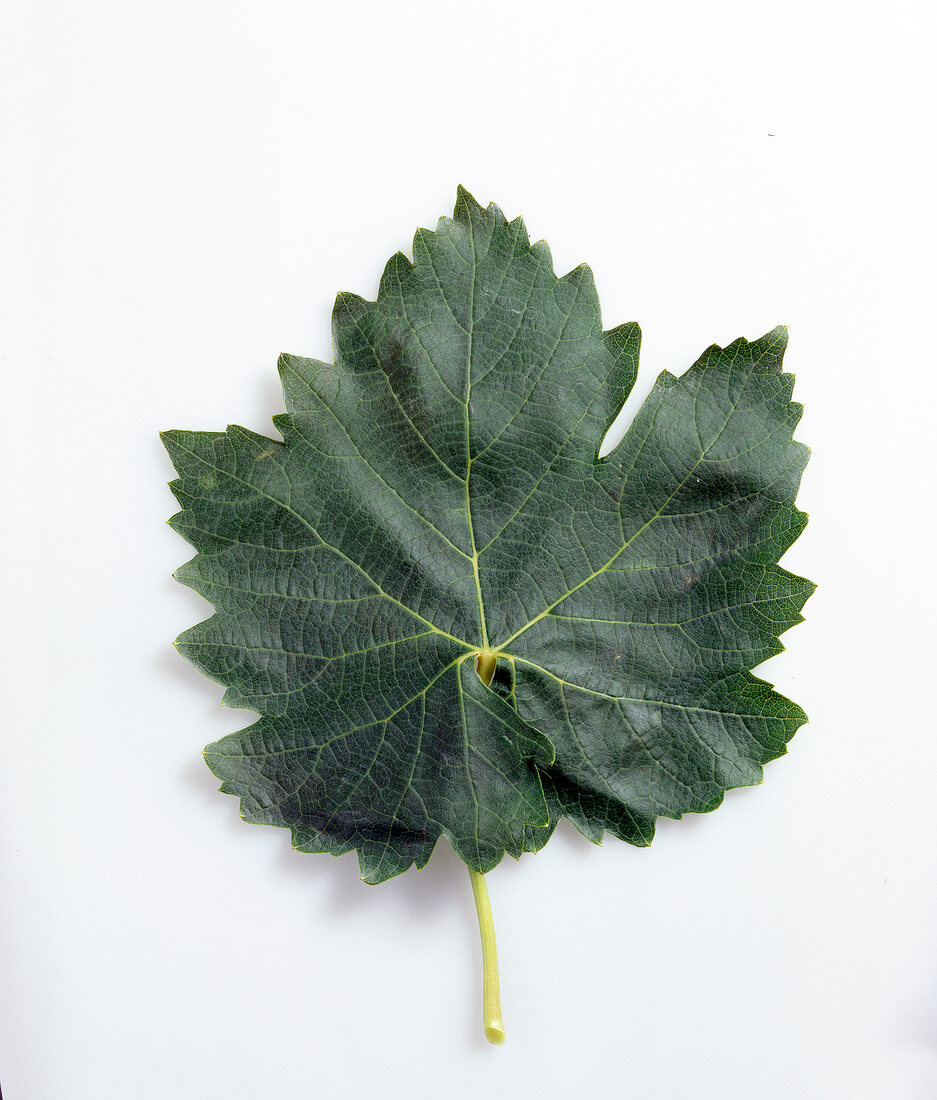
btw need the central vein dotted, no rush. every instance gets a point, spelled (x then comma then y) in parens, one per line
(468, 444)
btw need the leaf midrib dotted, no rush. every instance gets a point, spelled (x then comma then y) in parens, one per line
(468, 443)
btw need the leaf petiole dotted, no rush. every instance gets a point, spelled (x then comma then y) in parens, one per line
(485, 664)
(491, 1005)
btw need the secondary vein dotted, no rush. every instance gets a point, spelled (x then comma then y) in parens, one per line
(546, 611)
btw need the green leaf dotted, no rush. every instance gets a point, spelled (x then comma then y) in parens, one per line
(438, 495)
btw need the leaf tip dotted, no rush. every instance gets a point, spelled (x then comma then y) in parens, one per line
(465, 203)
(780, 334)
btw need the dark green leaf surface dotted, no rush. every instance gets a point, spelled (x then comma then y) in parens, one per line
(438, 494)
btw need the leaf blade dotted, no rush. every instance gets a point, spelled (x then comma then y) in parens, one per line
(438, 494)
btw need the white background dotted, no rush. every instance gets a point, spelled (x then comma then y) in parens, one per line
(185, 187)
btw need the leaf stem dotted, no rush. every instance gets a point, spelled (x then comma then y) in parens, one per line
(485, 664)
(494, 1026)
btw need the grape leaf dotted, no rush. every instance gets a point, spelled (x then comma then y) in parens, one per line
(438, 501)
